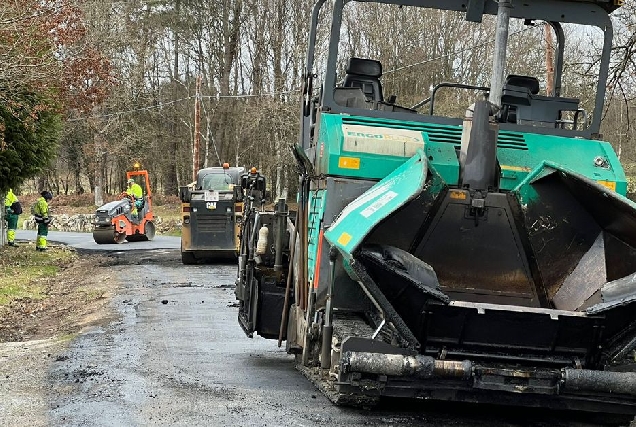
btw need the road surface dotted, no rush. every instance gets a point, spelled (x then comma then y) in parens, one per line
(175, 355)
(84, 241)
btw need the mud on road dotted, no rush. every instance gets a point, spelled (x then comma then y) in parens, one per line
(163, 347)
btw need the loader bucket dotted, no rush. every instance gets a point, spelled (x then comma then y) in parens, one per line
(541, 273)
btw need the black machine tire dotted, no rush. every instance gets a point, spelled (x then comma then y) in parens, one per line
(188, 258)
(108, 235)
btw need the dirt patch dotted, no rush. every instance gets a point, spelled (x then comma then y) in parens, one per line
(74, 298)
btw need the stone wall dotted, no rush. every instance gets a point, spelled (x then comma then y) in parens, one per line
(83, 223)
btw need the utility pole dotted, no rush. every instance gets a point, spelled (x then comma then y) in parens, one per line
(279, 164)
(208, 139)
(549, 60)
(172, 185)
(197, 130)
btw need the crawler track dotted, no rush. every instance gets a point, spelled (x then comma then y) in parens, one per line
(325, 380)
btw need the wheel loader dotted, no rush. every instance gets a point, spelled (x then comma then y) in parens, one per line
(485, 257)
(120, 220)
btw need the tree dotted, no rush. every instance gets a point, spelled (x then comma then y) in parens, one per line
(29, 138)
(250, 54)
(43, 48)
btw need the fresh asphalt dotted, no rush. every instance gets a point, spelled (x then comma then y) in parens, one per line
(84, 241)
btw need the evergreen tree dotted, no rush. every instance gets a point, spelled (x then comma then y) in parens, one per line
(29, 135)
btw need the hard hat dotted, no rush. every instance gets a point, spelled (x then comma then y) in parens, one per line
(47, 195)
(131, 181)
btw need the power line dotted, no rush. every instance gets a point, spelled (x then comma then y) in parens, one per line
(174, 101)
(135, 110)
(252, 95)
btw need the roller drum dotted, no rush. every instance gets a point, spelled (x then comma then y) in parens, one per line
(104, 236)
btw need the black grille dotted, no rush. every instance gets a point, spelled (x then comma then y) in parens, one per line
(211, 223)
(103, 219)
(514, 140)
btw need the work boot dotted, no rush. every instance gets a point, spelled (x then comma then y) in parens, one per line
(41, 249)
(12, 244)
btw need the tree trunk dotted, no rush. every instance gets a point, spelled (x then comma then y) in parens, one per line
(171, 182)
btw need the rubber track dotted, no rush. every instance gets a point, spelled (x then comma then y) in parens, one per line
(326, 386)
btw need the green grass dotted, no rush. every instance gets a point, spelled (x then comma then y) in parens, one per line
(23, 271)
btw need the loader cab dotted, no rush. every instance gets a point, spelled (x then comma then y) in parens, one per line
(217, 181)
(211, 215)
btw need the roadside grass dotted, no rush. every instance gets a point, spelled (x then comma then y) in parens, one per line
(22, 270)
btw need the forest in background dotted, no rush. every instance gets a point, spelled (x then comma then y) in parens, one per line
(116, 80)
